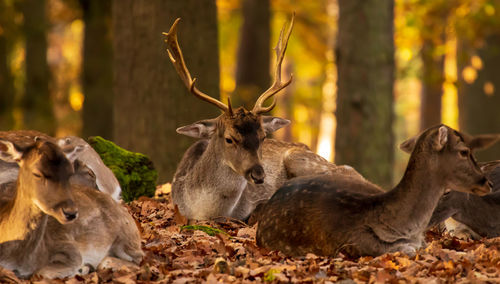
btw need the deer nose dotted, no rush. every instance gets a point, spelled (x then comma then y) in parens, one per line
(70, 214)
(256, 173)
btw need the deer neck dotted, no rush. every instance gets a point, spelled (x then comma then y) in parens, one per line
(21, 219)
(411, 203)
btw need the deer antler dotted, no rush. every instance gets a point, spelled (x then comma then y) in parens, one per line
(277, 84)
(175, 54)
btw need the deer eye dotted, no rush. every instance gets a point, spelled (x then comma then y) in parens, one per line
(37, 174)
(229, 141)
(464, 153)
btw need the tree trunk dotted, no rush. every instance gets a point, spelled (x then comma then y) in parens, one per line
(6, 78)
(365, 58)
(150, 99)
(432, 85)
(479, 101)
(97, 71)
(36, 104)
(252, 73)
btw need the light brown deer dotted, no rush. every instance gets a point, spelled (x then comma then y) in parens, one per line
(77, 149)
(234, 167)
(55, 229)
(325, 215)
(83, 175)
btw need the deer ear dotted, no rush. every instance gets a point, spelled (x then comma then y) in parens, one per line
(9, 153)
(199, 129)
(442, 138)
(408, 145)
(483, 141)
(271, 123)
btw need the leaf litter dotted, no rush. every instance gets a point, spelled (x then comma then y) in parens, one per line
(225, 251)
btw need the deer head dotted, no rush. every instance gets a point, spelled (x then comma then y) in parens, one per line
(239, 133)
(44, 174)
(455, 162)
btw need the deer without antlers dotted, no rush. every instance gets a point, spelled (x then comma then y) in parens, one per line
(56, 229)
(233, 167)
(325, 215)
(466, 215)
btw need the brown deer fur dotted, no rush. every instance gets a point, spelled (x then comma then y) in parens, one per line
(325, 215)
(56, 229)
(466, 215)
(234, 167)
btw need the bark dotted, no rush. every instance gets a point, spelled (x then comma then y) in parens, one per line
(252, 73)
(36, 103)
(478, 109)
(365, 58)
(97, 71)
(432, 85)
(150, 100)
(6, 78)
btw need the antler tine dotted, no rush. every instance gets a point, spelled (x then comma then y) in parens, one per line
(175, 55)
(277, 84)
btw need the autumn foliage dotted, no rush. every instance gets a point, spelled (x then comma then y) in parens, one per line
(226, 251)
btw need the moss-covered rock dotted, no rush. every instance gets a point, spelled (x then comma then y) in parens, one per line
(135, 171)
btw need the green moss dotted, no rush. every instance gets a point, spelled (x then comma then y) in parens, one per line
(209, 230)
(269, 275)
(135, 171)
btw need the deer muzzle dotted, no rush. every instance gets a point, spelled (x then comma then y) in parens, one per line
(256, 174)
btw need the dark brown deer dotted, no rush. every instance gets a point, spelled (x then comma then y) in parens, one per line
(325, 215)
(55, 229)
(234, 167)
(469, 216)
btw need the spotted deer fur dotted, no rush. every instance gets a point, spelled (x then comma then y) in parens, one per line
(325, 214)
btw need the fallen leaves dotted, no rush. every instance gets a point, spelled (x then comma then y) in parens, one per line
(226, 251)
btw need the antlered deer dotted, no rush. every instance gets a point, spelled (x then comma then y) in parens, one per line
(56, 229)
(234, 167)
(324, 215)
(471, 216)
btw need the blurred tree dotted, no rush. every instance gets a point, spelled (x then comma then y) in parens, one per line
(150, 100)
(6, 77)
(432, 26)
(365, 58)
(97, 73)
(36, 103)
(479, 99)
(478, 58)
(252, 73)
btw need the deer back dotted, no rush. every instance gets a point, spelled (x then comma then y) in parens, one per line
(324, 215)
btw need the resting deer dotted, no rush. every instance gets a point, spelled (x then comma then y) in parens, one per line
(89, 170)
(55, 229)
(234, 167)
(471, 216)
(324, 215)
(77, 149)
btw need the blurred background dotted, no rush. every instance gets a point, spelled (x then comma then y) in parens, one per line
(368, 74)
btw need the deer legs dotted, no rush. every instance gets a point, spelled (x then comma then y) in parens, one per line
(66, 261)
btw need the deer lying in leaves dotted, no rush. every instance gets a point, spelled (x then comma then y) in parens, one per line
(471, 216)
(55, 229)
(77, 149)
(234, 167)
(325, 215)
(89, 169)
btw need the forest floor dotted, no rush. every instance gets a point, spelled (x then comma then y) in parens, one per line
(226, 252)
